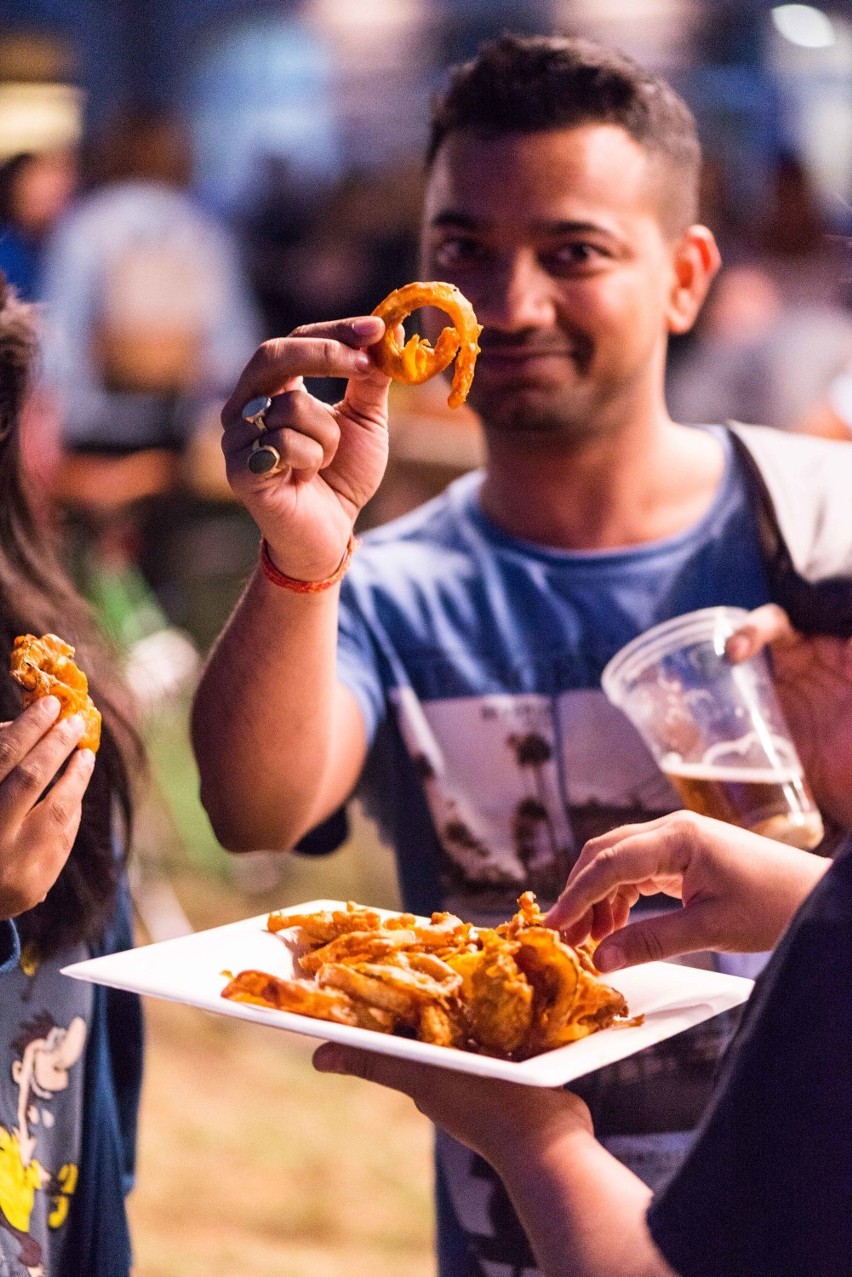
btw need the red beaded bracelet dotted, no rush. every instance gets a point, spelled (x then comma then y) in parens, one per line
(271, 572)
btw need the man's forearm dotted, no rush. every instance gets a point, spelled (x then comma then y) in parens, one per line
(583, 1212)
(264, 717)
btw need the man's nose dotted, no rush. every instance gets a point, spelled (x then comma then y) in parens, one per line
(519, 295)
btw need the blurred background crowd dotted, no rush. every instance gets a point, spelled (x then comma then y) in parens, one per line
(181, 181)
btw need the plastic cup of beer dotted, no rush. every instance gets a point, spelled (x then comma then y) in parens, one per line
(715, 728)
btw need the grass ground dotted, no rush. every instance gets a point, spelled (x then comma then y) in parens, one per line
(250, 1163)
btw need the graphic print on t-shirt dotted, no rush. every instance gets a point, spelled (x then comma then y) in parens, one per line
(43, 1033)
(516, 784)
(44, 1053)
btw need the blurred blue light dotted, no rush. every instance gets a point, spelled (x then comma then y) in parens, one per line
(264, 88)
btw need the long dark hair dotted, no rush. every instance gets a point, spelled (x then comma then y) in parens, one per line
(37, 597)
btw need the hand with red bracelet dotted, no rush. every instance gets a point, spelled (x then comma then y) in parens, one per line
(332, 458)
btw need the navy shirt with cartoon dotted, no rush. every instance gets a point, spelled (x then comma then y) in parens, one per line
(68, 1113)
(44, 1027)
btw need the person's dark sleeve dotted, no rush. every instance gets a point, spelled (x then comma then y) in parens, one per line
(323, 839)
(10, 946)
(766, 1190)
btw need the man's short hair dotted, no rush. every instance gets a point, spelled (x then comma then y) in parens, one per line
(533, 84)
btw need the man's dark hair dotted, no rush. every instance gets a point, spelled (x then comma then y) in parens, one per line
(533, 84)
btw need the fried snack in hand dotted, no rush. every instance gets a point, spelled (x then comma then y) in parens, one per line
(512, 991)
(45, 667)
(417, 361)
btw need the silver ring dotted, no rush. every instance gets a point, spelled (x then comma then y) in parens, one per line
(254, 412)
(263, 458)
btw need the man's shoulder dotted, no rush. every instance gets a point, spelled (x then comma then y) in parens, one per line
(782, 449)
(804, 484)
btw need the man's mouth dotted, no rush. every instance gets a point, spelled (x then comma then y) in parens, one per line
(520, 360)
(496, 350)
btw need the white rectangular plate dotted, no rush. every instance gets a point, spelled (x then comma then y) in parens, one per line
(670, 997)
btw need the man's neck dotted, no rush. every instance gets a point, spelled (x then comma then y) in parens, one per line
(629, 488)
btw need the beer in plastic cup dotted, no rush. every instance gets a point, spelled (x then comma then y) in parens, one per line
(715, 728)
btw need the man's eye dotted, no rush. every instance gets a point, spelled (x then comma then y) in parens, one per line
(576, 255)
(457, 251)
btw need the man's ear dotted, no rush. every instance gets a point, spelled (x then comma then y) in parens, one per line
(695, 261)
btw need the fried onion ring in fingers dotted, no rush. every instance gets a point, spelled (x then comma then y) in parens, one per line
(417, 361)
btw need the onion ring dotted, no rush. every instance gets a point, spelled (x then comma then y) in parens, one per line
(417, 361)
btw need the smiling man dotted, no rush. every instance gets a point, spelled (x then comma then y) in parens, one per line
(454, 678)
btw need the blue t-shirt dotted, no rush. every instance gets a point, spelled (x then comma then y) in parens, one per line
(476, 659)
(494, 755)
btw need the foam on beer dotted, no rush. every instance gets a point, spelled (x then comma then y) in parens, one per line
(672, 765)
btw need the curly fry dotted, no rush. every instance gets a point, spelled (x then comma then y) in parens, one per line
(45, 667)
(417, 361)
(355, 945)
(368, 988)
(321, 927)
(301, 996)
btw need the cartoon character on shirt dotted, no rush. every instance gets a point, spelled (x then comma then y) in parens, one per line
(47, 1053)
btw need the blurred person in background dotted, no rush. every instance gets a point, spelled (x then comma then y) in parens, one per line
(453, 679)
(831, 417)
(275, 215)
(777, 327)
(314, 251)
(35, 190)
(754, 357)
(798, 243)
(148, 319)
(69, 1084)
(148, 308)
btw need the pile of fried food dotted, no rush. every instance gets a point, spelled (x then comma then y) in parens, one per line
(512, 991)
(46, 667)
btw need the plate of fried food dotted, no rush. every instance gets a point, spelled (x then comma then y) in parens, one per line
(514, 1002)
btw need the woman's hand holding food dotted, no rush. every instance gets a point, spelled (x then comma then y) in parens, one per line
(332, 459)
(738, 890)
(813, 677)
(38, 828)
